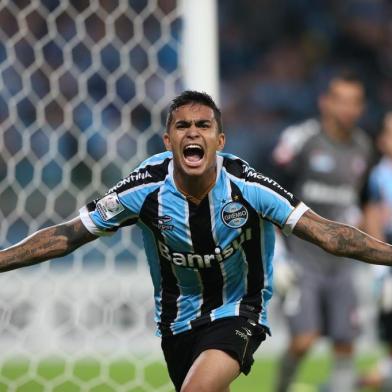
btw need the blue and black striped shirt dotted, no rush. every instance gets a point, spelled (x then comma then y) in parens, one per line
(207, 261)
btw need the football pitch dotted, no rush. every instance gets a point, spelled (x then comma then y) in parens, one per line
(87, 375)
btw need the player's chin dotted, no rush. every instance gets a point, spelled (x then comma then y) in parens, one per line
(194, 168)
(194, 172)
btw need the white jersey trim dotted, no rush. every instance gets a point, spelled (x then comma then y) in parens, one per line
(90, 225)
(294, 218)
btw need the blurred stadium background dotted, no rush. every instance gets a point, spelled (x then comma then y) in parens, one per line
(83, 91)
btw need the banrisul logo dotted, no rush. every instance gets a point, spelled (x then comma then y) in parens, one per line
(234, 215)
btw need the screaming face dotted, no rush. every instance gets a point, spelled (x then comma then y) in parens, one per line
(194, 139)
(193, 153)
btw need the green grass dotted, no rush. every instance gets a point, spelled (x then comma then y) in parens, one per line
(90, 375)
(312, 373)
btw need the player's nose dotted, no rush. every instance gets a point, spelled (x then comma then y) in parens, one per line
(193, 131)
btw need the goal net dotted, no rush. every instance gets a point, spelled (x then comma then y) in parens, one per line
(83, 90)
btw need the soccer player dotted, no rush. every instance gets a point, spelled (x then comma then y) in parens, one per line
(378, 223)
(208, 224)
(327, 158)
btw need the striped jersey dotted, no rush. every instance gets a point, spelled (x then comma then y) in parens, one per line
(380, 191)
(207, 261)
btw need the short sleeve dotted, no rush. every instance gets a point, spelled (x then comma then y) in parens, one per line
(272, 201)
(121, 205)
(106, 215)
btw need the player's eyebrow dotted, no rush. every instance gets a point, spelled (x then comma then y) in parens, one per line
(182, 123)
(203, 122)
(188, 123)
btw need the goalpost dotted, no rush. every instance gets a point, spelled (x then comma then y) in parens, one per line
(83, 90)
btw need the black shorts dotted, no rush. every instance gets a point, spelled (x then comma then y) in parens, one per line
(237, 336)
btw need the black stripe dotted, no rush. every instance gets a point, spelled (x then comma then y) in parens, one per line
(234, 166)
(129, 222)
(91, 206)
(251, 303)
(203, 243)
(170, 290)
(146, 175)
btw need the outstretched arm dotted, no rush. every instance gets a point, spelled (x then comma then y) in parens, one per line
(342, 240)
(45, 244)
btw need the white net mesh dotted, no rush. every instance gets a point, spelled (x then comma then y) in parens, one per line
(83, 89)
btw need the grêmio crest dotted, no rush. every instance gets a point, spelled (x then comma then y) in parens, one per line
(234, 215)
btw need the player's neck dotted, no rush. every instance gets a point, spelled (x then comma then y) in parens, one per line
(336, 133)
(195, 188)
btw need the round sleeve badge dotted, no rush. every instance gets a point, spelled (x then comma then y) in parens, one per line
(109, 206)
(234, 215)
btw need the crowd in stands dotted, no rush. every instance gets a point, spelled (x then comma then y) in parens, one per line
(276, 55)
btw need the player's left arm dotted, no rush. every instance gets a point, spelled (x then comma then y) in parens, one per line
(342, 240)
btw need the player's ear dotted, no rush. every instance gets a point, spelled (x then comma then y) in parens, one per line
(166, 141)
(221, 141)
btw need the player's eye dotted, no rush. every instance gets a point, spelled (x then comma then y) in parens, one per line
(182, 125)
(203, 124)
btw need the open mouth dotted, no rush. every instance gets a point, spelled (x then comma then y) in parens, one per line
(193, 153)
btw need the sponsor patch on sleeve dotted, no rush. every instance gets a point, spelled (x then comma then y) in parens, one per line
(109, 206)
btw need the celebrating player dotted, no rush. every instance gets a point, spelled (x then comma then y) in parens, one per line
(208, 224)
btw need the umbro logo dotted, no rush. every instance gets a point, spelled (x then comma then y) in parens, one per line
(248, 331)
(163, 223)
(244, 335)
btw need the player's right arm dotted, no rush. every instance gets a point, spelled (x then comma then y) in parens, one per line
(45, 244)
(102, 216)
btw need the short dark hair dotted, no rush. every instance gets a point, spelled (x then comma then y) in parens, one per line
(344, 74)
(348, 75)
(191, 96)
